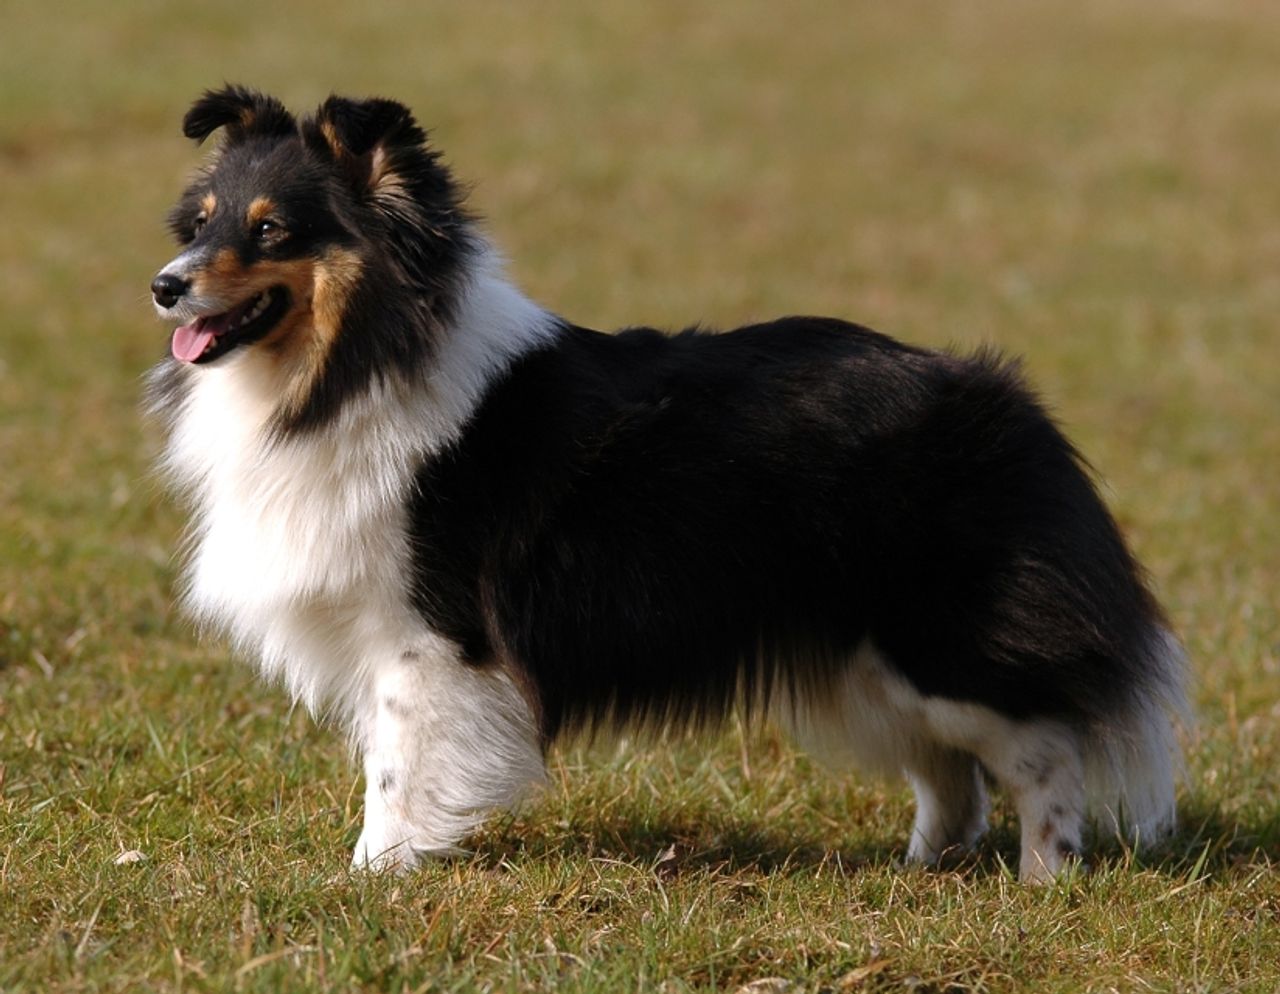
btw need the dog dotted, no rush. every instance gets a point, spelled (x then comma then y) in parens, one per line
(466, 527)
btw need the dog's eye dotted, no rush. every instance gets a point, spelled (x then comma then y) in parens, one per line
(265, 230)
(200, 221)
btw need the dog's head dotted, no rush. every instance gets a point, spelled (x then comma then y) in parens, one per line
(299, 227)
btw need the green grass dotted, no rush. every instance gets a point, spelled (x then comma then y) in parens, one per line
(1090, 184)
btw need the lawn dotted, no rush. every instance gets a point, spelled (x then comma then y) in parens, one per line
(1092, 185)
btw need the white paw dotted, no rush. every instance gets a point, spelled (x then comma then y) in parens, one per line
(921, 852)
(398, 849)
(374, 853)
(938, 844)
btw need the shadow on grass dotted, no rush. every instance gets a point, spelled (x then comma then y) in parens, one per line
(1207, 842)
(678, 844)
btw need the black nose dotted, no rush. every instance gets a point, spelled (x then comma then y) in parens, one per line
(167, 288)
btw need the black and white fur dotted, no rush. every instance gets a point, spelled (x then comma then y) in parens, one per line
(467, 527)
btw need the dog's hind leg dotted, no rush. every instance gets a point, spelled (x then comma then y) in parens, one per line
(1041, 764)
(1039, 761)
(444, 744)
(951, 804)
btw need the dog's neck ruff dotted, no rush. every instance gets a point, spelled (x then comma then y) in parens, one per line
(297, 548)
(495, 324)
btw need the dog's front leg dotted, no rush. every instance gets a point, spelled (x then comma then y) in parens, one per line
(444, 742)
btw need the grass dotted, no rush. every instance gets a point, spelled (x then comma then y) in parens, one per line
(1089, 184)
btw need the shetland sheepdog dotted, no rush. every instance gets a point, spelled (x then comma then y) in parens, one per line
(466, 527)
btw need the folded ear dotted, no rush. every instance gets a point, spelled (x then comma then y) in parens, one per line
(365, 137)
(241, 111)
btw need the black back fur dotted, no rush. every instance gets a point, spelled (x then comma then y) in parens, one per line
(651, 524)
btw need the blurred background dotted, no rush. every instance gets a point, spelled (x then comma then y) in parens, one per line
(1089, 184)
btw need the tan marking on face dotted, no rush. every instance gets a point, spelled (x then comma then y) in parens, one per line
(281, 355)
(305, 340)
(223, 278)
(208, 204)
(260, 209)
(287, 340)
(297, 349)
(226, 279)
(336, 276)
(300, 343)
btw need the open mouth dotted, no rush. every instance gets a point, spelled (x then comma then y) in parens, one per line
(212, 335)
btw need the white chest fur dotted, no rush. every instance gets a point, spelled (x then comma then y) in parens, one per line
(298, 547)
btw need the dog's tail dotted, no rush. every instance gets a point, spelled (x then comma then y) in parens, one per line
(1133, 761)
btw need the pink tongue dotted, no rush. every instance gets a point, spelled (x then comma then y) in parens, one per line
(190, 340)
